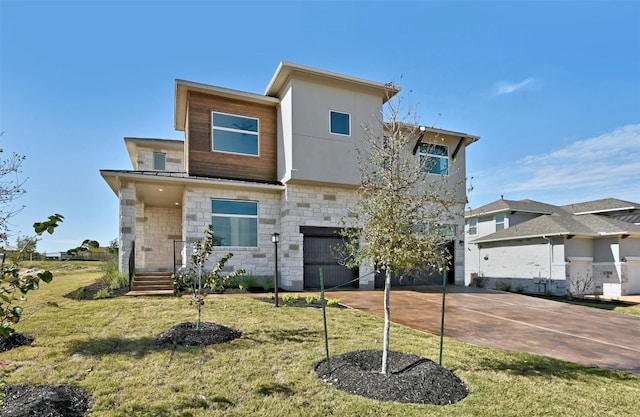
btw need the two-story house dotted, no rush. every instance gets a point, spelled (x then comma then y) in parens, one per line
(533, 247)
(254, 165)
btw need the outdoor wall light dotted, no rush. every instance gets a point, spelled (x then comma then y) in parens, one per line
(275, 238)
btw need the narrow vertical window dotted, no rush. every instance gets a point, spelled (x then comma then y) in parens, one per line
(159, 161)
(340, 123)
(473, 226)
(499, 222)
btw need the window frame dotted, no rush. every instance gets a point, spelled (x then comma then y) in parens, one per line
(473, 224)
(503, 222)
(424, 155)
(155, 161)
(238, 216)
(227, 129)
(331, 112)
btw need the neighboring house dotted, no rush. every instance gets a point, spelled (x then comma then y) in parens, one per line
(585, 248)
(255, 165)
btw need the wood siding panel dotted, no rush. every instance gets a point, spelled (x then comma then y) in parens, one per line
(204, 162)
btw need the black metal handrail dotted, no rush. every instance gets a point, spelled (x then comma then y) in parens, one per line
(132, 262)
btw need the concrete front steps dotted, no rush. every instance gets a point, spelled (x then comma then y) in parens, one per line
(151, 283)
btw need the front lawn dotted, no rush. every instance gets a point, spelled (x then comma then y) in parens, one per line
(108, 348)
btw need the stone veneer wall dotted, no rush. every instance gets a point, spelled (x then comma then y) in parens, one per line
(304, 205)
(259, 261)
(161, 227)
(127, 214)
(174, 159)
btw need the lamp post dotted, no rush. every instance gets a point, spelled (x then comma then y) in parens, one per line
(275, 238)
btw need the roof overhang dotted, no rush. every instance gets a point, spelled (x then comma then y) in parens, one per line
(183, 88)
(288, 70)
(133, 143)
(504, 210)
(536, 236)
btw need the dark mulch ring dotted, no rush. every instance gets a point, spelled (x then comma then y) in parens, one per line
(14, 341)
(208, 334)
(89, 292)
(409, 378)
(45, 400)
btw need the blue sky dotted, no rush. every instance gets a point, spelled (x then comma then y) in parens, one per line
(552, 88)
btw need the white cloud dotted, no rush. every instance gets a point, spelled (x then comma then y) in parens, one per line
(604, 166)
(505, 87)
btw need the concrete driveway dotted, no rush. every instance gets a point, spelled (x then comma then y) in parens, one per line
(512, 322)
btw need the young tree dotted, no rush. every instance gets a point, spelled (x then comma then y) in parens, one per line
(401, 222)
(200, 280)
(26, 246)
(10, 190)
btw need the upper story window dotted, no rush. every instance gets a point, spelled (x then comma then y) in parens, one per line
(499, 222)
(473, 226)
(235, 222)
(434, 159)
(235, 134)
(159, 161)
(340, 123)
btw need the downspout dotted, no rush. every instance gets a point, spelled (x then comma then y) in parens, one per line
(550, 261)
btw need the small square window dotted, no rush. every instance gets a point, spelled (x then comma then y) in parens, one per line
(340, 123)
(159, 161)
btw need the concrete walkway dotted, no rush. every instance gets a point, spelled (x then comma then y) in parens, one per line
(512, 322)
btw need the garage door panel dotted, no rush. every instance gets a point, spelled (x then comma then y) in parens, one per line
(319, 252)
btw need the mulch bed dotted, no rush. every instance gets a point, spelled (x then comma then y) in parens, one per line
(14, 341)
(187, 334)
(302, 302)
(409, 378)
(45, 401)
(89, 292)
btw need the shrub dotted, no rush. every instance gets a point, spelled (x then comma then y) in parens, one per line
(268, 284)
(248, 283)
(503, 286)
(271, 296)
(290, 298)
(311, 299)
(233, 283)
(334, 302)
(520, 289)
(477, 281)
(101, 294)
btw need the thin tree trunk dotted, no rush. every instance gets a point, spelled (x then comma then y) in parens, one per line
(387, 321)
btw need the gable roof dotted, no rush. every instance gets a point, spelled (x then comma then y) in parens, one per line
(601, 206)
(588, 225)
(521, 206)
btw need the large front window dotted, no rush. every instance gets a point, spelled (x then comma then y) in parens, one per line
(235, 222)
(235, 134)
(434, 159)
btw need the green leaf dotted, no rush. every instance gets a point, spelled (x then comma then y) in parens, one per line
(46, 276)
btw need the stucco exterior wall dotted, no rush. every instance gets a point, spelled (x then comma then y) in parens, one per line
(316, 154)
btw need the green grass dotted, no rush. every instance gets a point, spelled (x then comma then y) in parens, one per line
(106, 347)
